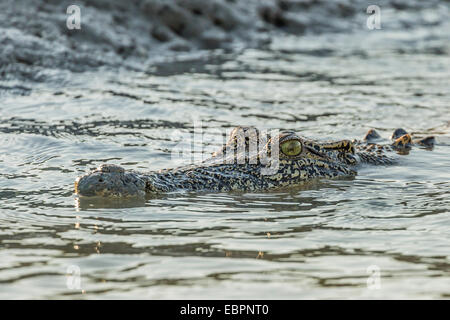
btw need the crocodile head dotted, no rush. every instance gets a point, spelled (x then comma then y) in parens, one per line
(285, 159)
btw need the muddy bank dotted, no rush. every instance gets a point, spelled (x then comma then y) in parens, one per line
(36, 44)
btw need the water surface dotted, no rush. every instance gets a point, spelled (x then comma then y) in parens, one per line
(322, 240)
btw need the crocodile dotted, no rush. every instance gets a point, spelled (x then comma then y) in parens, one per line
(254, 161)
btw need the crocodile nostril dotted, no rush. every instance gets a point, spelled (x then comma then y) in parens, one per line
(100, 180)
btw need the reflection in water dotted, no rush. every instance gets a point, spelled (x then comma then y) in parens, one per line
(99, 202)
(314, 241)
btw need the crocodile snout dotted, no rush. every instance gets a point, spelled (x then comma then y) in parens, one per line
(110, 180)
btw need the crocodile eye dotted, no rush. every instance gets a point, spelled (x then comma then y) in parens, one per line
(291, 147)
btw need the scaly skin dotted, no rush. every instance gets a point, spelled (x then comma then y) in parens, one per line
(285, 160)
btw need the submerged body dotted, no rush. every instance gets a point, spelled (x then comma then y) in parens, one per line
(250, 162)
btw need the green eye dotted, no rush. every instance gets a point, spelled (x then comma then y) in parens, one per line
(291, 147)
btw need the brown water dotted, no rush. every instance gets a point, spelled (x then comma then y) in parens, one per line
(320, 241)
